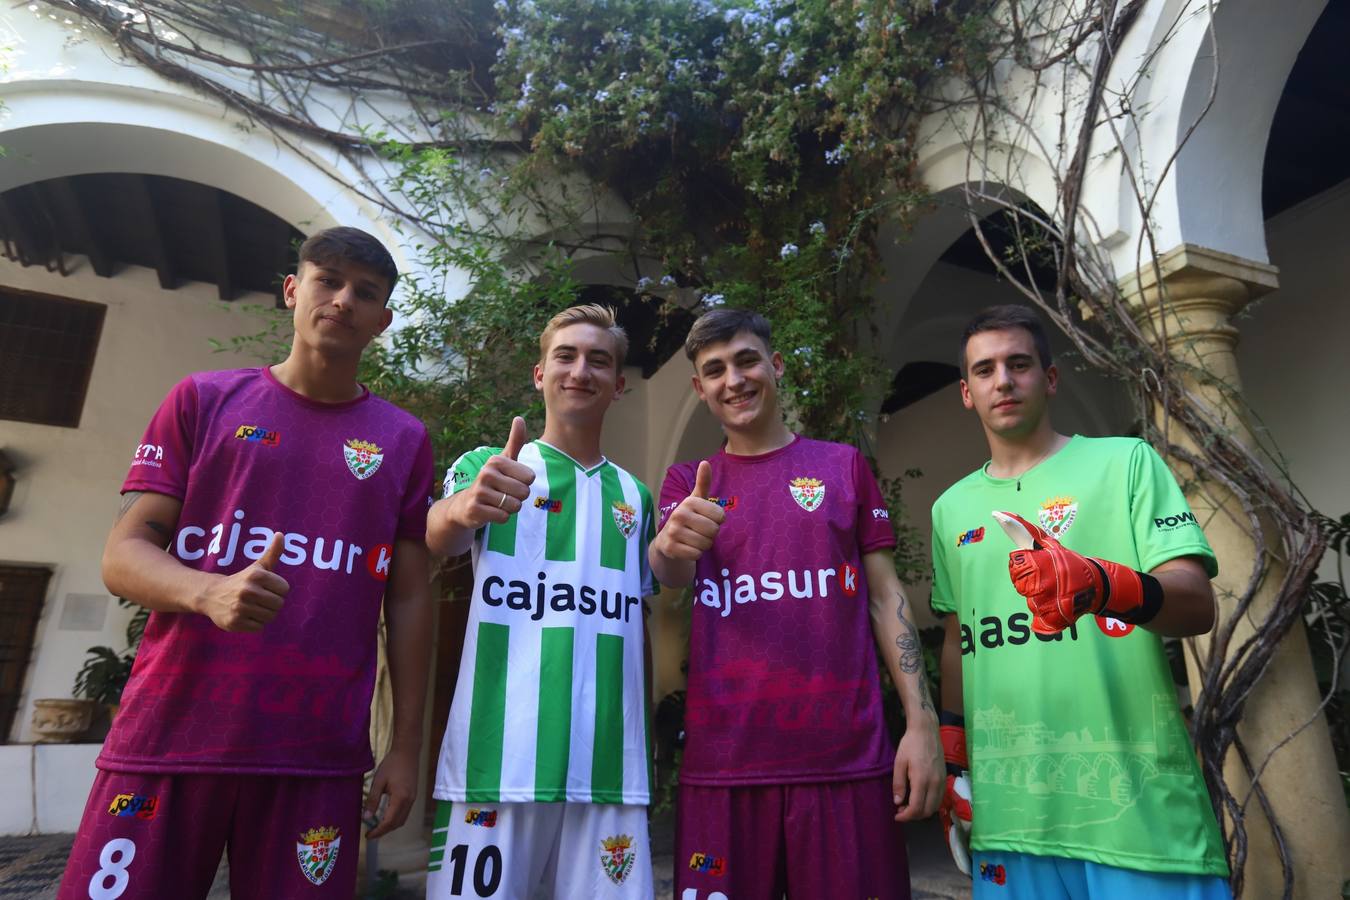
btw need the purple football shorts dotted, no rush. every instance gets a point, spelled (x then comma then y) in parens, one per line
(818, 841)
(149, 836)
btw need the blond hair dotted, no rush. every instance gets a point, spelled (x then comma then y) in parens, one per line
(587, 314)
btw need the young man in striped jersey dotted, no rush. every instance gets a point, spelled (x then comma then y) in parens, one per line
(789, 782)
(543, 775)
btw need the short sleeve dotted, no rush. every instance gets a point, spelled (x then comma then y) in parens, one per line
(465, 470)
(674, 488)
(873, 517)
(1164, 526)
(412, 517)
(162, 459)
(942, 599)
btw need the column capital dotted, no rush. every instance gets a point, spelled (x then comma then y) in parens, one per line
(1203, 289)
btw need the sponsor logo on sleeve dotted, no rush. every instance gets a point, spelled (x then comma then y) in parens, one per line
(483, 818)
(256, 434)
(706, 862)
(625, 518)
(317, 852)
(142, 806)
(363, 458)
(617, 857)
(808, 492)
(881, 513)
(1172, 523)
(973, 536)
(1057, 514)
(148, 455)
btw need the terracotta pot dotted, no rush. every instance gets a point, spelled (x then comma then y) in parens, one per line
(60, 721)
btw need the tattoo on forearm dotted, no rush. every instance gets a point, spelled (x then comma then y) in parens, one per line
(911, 653)
(128, 501)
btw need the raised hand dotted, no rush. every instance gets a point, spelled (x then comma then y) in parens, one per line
(1061, 585)
(502, 485)
(693, 526)
(250, 598)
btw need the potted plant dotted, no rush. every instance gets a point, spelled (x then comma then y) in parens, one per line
(105, 671)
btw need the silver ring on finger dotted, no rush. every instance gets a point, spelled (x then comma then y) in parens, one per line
(501, 504)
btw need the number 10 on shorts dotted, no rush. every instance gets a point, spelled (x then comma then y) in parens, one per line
(692, 894)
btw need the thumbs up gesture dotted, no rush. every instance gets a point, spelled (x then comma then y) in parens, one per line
(693, 526)
(250, 598)
(502, 485)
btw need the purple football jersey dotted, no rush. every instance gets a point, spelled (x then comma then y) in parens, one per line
(249, 457)
(782, 671)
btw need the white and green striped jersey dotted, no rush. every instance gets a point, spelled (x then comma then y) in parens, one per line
(550, 705)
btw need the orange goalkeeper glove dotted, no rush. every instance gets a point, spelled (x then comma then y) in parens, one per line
(955, 812)
(1061, 585)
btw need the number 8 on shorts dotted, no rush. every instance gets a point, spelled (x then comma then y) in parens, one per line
(113, 860)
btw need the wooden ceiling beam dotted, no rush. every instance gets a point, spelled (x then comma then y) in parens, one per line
(65, 199)
(143, 205)
(211, 202)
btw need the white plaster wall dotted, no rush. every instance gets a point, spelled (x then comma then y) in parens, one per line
(1293, 353)
(68, 478)
(46, 786)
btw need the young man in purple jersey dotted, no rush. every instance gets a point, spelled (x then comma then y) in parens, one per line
(268, 517)
(788, 781)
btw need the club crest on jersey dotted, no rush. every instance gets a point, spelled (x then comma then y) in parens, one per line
(363, 458)
(625, 517)
(617, 857)
(1057, 514)
(808, 492)
(317, 852)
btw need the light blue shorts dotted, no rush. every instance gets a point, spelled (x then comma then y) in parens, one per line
(999, 875)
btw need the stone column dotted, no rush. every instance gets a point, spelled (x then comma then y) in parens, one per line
(1201, 291)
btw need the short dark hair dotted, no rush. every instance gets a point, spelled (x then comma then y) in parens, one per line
(350, 245)
(1001, 318)
(721, 325)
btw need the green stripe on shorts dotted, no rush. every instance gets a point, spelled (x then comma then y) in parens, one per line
(440, 833)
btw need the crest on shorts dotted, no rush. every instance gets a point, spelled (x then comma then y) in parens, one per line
(317, 852)
(363, 458)
(808, 492)
(617, 857)
(625, 517)
(1057, 514)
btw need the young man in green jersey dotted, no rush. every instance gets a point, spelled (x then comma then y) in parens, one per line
(543, 775)
(1057, 695)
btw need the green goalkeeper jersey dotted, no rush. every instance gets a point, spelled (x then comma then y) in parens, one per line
(1077, 747)
(550, 705)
